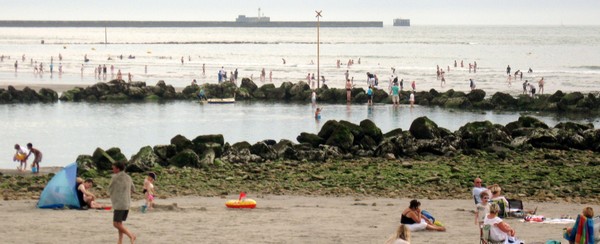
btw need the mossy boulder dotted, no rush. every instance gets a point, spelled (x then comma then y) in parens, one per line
(263, 150)
(424, 128)
(164, 152)
(143, 161)
(574, 127)
(570, 99)
(503, 100)
(48, 95)
(457, 102)
(482, 134)
(85, 163)
(297, 91)
(181, 143)
(328, 128)
(101, 159)
(249, 85)
(370, 129)
(341, 137)
(115, 97)
(238, 146)
(309, 138)
(72, 95)
(476, 95)
(186, 158)
(215, 138)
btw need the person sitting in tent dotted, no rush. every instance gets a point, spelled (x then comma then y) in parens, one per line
(86, 198)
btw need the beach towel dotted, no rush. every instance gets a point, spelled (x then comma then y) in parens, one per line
(582, 232)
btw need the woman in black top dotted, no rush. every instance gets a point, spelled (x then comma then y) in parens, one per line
(415, 221)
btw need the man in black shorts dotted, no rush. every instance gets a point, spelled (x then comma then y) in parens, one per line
(120, 189)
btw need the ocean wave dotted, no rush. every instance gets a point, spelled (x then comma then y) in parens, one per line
(592, 67)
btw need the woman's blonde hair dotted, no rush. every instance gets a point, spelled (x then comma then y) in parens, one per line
(494, 208)
(401, 233)
(588, 212)
(495, 189)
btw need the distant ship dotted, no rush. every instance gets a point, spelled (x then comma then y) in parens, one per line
(401, 22)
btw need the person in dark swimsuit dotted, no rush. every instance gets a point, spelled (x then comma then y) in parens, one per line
(415, 221)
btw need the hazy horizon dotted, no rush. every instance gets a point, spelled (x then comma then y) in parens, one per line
(424, 12)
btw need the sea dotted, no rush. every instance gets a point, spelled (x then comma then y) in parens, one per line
(567, 57)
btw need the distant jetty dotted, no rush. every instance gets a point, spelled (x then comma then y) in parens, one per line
(241, 21)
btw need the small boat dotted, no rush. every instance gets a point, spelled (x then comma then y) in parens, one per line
(221, 100)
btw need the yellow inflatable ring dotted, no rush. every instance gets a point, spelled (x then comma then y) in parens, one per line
(20, 157)
(246, 203)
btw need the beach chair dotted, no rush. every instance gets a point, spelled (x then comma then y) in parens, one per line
(503, 213)
(485, 236)
(515, 208)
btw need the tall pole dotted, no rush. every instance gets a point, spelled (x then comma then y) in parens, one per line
(318, 48)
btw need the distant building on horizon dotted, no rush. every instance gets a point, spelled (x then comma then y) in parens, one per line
(401, 22)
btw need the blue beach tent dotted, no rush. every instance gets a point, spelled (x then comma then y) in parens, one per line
(60, 192)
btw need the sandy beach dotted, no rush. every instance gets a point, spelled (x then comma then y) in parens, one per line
(277, 219)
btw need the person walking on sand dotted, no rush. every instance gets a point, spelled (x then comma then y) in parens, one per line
(541, 85)
(414, 85)
(120, 189)
(37, 157)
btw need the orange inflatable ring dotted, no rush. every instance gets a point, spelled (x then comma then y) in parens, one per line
(246, 203)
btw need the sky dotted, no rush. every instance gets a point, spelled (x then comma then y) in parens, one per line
(421, 12)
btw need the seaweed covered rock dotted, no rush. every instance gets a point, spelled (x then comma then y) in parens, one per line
(457, 102)
(101, 159)
(482, 134)
(476, 95)
(370, 129)
(186, 158)
(215, 138)
(424, 128)
(164, 152)
(249, 85)
(48, 95)
(181, 143)
(524, 125)
(143, 161)
(341, 137)
(311, 139)
(264, 151)
(504, 100)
